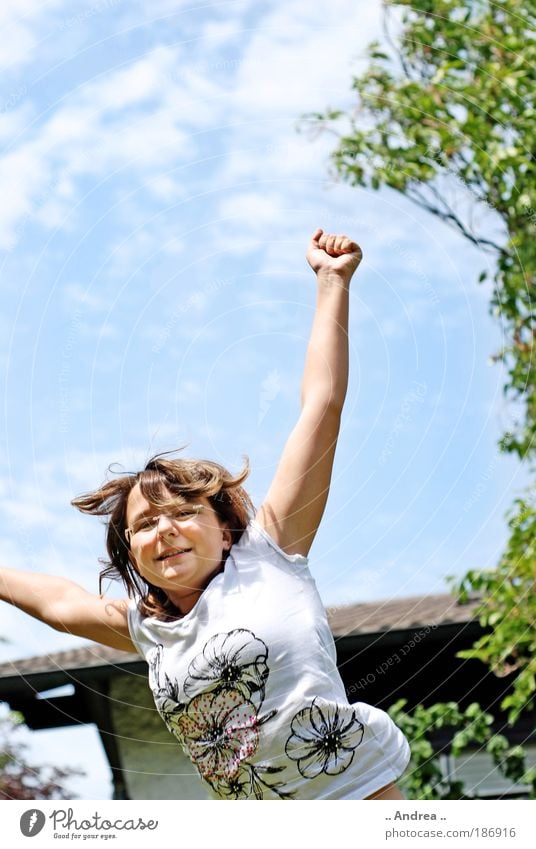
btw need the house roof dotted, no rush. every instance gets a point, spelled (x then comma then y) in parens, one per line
(88, 656)
(345, 620)
(399, 614)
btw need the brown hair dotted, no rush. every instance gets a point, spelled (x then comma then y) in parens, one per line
(184, 480)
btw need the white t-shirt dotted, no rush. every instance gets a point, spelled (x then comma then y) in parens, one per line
(248, 683)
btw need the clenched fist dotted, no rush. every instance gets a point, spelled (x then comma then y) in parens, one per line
(333, 255)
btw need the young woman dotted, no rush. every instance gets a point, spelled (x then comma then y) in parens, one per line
(222, 604)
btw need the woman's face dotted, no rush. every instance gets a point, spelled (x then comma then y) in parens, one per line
(178, 553)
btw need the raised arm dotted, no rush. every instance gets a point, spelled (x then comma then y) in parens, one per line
(68, 607)
(295, 502)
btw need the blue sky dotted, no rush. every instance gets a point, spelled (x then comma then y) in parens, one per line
(157, 203)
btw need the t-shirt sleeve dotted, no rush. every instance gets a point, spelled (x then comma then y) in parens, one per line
(384, 753)
(134, 625)
(256, 539)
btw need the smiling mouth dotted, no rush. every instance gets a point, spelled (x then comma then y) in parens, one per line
(167, 555)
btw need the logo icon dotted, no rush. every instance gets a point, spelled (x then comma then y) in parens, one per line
(31, 822)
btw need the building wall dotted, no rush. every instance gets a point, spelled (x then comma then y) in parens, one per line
(482, 778)
(153, 762)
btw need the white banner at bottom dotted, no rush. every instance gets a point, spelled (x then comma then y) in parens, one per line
(121, 824)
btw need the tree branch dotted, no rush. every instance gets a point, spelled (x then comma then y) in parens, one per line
(449, 217)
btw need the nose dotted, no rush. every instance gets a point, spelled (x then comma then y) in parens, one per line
(165, 525)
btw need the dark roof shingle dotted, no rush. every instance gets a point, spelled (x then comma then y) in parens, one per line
(399, 614)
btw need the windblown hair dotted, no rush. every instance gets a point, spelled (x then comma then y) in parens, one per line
(184, 480)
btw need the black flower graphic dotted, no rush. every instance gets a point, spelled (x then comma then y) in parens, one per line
(219, 731)
(324, 738)
(166, 694)
(236, 786)
(253, 782)
(218, 725)
(232, 661)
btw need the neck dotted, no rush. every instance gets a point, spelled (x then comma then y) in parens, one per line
(186, 601)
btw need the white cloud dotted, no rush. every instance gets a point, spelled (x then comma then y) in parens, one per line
(23, 178)
(87, 469)
(21, 23)
(19, 511)
(17, 45)
(27, 637)
(303, 43)
(181, 13)
(163, 187)
(14, 115)
(217, 33)
(89, 298)
(133, 118)
(245, 217)
(131, 85)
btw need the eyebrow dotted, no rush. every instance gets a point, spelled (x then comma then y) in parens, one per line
(153, 508)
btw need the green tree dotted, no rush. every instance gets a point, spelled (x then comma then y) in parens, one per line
(508, 611)
(22, 780)
(445, 115)
(469, 728)
(451, 107)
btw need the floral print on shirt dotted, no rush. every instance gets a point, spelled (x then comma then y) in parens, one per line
(219, 731)
(218, 724)
(324, 738)
(236, 660)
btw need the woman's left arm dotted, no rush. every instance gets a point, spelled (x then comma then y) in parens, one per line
(295, 502)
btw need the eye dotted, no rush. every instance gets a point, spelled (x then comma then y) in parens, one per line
(186, 515)
(145, 524)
